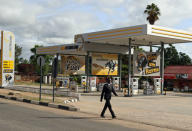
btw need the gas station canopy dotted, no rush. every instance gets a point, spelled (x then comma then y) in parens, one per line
(116, 40)
(141, 34)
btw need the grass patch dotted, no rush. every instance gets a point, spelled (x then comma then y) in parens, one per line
(31, 83)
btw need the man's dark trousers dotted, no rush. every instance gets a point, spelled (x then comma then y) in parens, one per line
(107, 104)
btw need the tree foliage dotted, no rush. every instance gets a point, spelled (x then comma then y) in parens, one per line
(153, 13)
(24, 61)
(173, 57)
(124, 70)
(18, 59)
(48, 60)
(184, 59)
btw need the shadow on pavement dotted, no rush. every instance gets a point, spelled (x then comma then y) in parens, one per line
(92, 118)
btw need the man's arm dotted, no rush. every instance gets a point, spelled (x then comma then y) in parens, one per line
(102, 94)
(114, 92)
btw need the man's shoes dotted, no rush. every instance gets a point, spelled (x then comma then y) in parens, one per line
(102, 116)
(114, 117)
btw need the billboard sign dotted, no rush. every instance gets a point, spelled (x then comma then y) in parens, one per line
(104, 64)
(72, 65)
(146, 63)
(7, 58)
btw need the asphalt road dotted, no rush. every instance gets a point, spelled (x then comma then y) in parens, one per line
(14, 117)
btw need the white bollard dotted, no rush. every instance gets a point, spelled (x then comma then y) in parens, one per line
(76, 88)
(45, 79)
(50, 79)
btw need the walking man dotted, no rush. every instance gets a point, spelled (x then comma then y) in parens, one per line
(106, 92)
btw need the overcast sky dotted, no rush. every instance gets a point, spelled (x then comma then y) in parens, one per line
(49, 22)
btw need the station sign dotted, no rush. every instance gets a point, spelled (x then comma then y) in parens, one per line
(7, 58)
(146, 63)
(72, 65)
(104, 64)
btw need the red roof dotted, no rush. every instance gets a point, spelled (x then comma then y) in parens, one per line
(178, 69)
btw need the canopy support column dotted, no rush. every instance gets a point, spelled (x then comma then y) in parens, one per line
(162, 66)
(129, 68)
(120, 70)
(55, 77)
(87, 72)
(151, 50)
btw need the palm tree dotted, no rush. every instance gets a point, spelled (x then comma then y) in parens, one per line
(153, 13)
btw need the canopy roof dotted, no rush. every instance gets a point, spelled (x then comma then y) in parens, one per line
(116, 40)
(141, 35)
(61, 49)
(81, 49)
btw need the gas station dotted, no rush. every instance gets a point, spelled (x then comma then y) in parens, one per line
(99, 54)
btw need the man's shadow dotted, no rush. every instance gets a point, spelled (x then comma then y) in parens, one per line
(76, 118)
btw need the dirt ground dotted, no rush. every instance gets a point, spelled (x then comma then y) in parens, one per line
(33, 96)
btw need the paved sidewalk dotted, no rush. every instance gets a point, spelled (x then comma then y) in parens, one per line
(173, 112)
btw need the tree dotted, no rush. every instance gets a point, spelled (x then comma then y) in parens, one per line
(48, 60)
(124, 67)
(184, 59)
(153, 13)
(173, 57)
(18, 52)
(24, 61)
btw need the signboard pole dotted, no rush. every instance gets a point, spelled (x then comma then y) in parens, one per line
(53, 89)
(1, 66)
(162, 67)
(87, 65)
(40, 80)
(129, 68)
(41, 62)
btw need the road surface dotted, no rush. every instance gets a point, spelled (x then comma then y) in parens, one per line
(18, 116)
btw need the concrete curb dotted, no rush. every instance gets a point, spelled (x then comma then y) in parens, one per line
(2, 96)
(52, 105)
(35, 102)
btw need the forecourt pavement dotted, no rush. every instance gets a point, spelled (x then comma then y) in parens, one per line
(173, 112)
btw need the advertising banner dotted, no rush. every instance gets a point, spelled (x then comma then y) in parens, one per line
(72, 65)
(7, 58)
(104, 64)
(146, 64)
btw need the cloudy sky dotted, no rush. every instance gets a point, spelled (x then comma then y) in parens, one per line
(49, 22)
